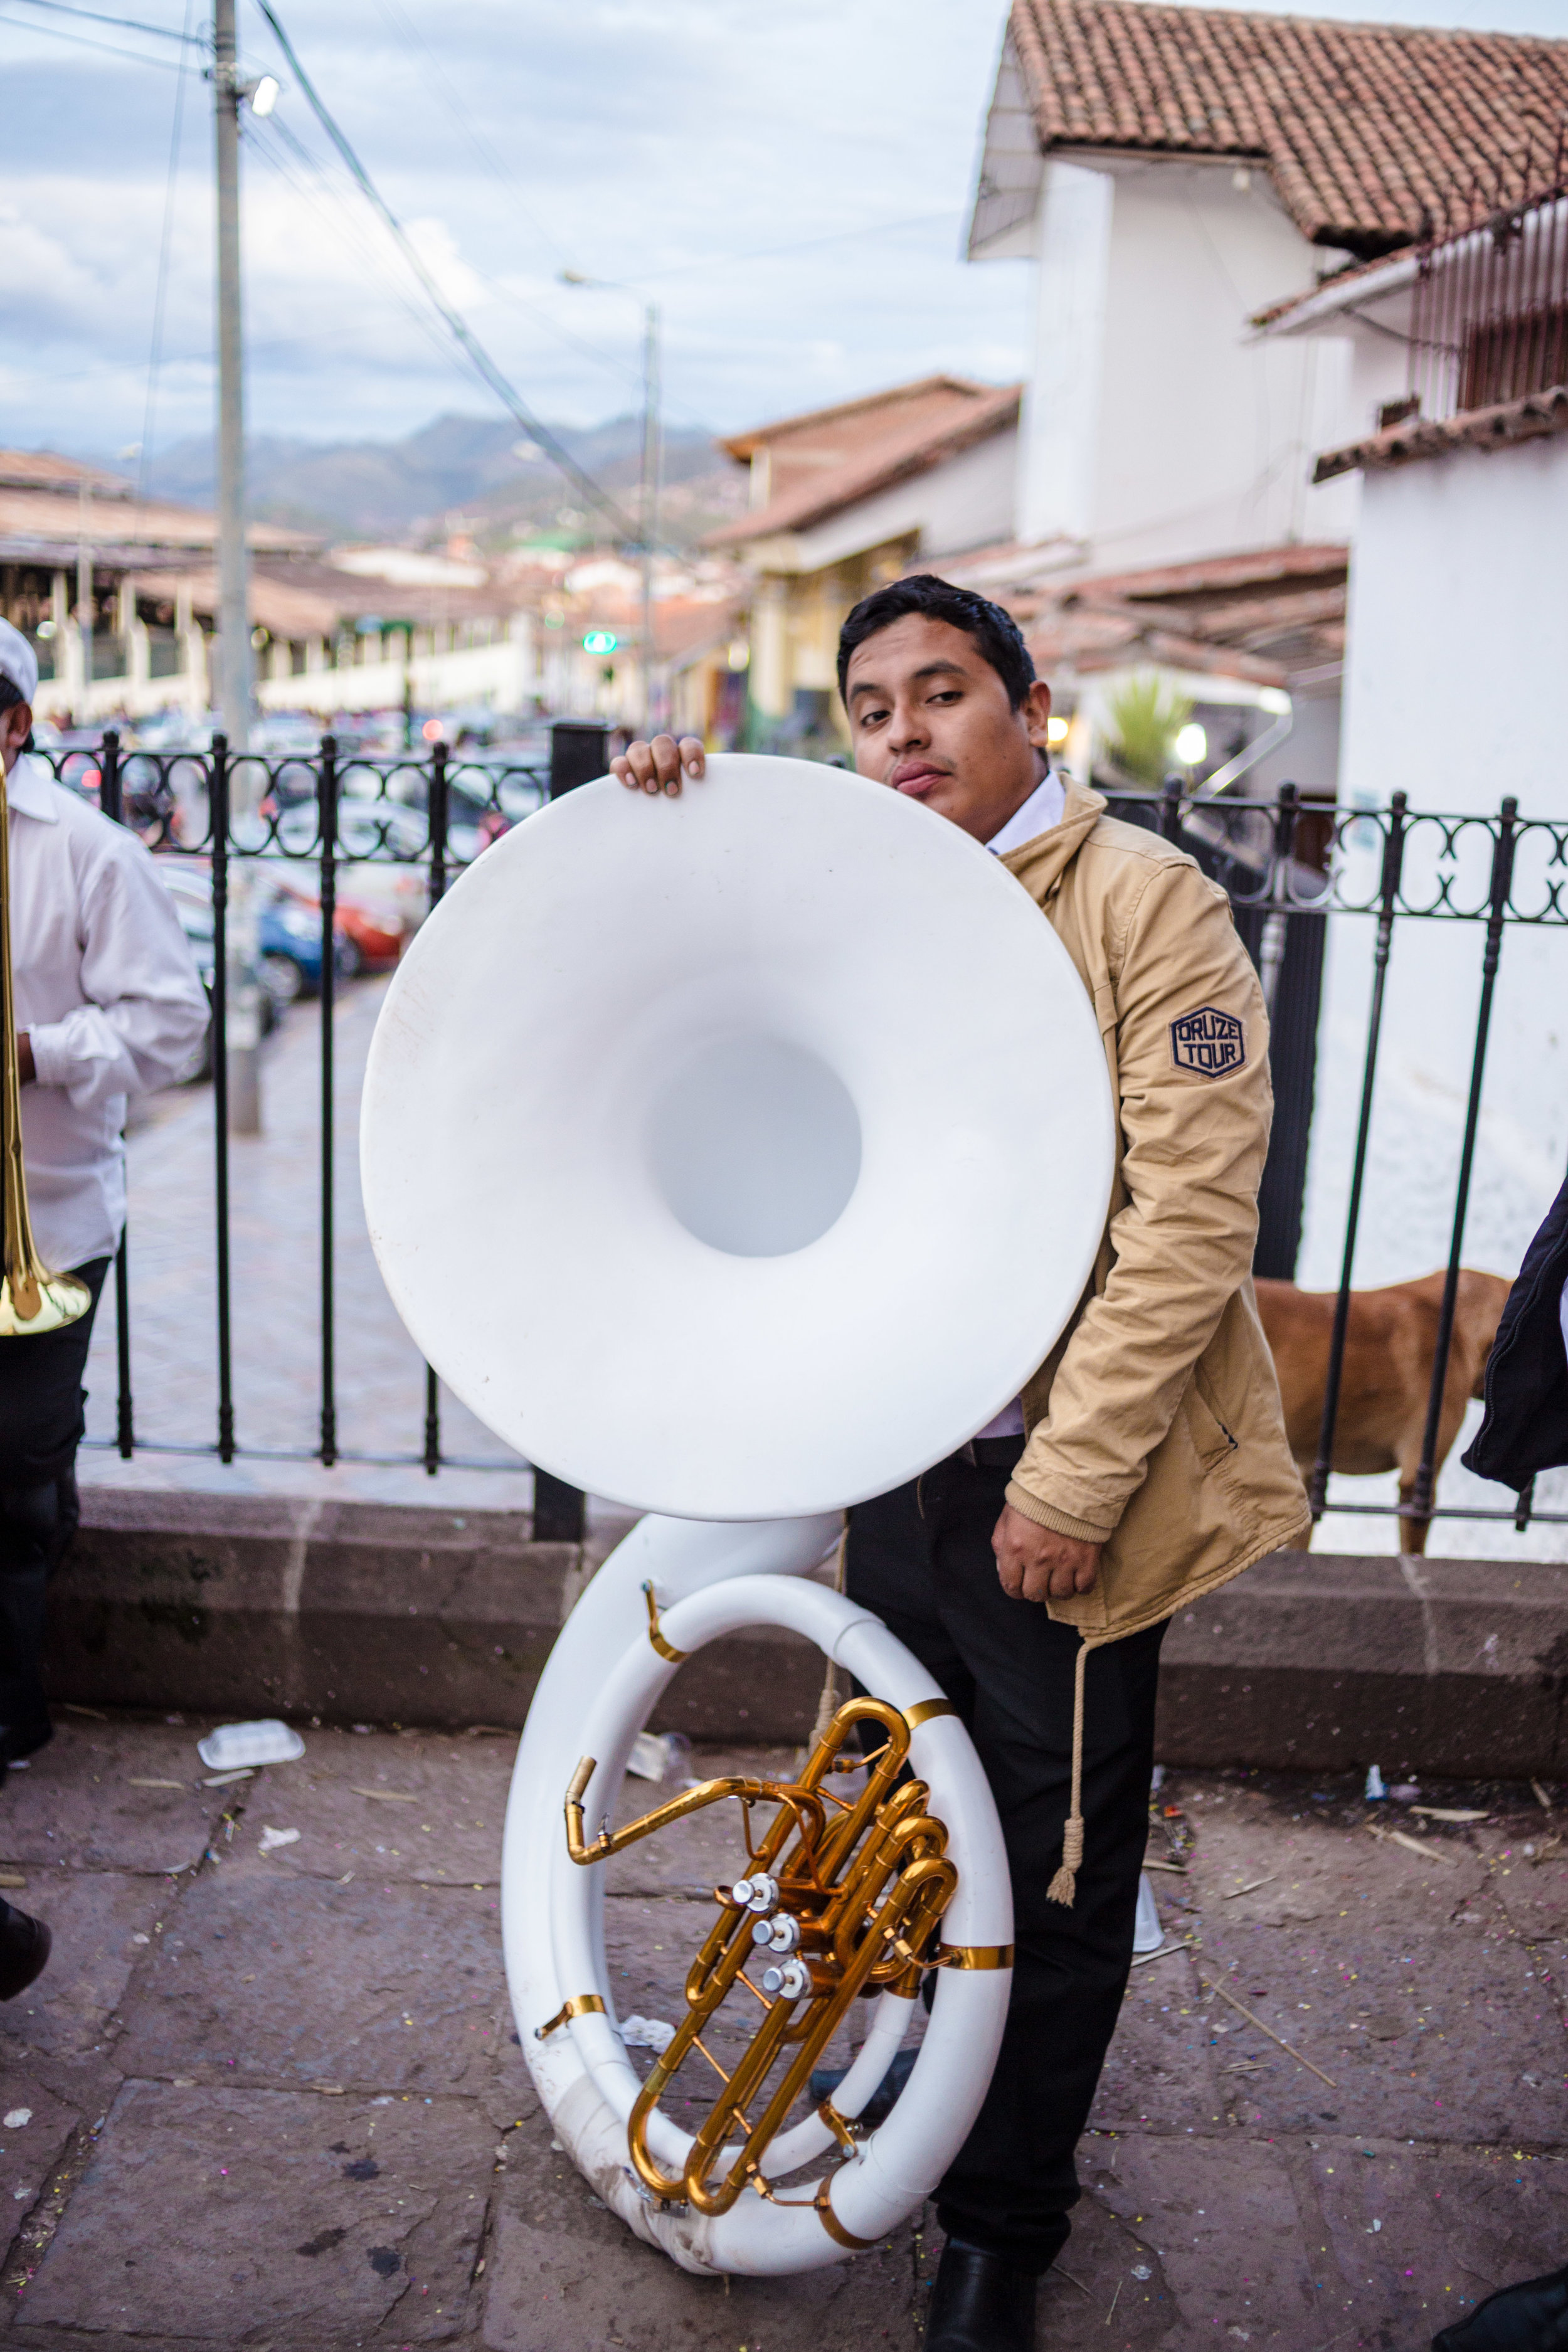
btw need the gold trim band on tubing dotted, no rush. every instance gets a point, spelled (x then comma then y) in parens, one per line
(666, 1648)
(834, 2226)
(974, 1955)
(927, 1712)
(582, 2004)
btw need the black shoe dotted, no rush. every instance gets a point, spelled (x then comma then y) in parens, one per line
(979, 2304)
(21, 1739)
(879, 2105)
(1530, 2317)
(23, 1950)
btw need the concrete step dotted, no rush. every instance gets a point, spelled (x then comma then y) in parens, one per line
(384, 1613)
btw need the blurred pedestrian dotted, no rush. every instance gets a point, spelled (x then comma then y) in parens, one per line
(109, 1004)
(1523, 1432)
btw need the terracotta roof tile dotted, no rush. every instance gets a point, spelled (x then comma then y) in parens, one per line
(1532, 418)
(822, 463)
(1360, 126)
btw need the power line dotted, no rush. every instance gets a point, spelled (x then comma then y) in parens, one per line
(346, 224)
(804, 245)
(457, 326)
(156, 357)
(85, 41)
(399, 18)
(126, 24)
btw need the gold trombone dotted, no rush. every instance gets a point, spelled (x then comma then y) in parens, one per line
(32, 1300)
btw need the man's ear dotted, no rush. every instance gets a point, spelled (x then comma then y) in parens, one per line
(16, 726)
(1037, 711)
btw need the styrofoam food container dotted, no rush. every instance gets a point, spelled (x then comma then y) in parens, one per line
(233, 1744)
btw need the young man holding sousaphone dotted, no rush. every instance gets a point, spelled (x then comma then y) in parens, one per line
(1034, 1571)
(102, 1000)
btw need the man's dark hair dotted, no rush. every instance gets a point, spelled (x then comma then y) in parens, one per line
(996, 633)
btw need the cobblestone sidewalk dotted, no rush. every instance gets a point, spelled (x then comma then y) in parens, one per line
(276, 2100)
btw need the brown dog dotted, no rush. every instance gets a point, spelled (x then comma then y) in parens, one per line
(1391, 1343)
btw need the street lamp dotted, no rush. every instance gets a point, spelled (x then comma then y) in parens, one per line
(648, 498)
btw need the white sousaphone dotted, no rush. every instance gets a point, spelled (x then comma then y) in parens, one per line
(736, 1157)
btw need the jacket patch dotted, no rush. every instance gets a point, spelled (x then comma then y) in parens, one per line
(1208, 1042)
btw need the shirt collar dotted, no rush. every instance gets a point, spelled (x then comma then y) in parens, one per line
(30, 789)
(1042, 810)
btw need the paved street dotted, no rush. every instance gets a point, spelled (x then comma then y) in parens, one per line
(275, 2100)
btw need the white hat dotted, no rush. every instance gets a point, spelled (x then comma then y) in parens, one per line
(19, 662)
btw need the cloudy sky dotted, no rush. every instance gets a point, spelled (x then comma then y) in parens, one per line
(788, 183)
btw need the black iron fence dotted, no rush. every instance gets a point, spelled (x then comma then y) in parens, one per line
(1290, 867)
(218, 813)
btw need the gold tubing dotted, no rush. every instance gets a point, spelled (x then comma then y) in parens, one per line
(834, 2226)
(666, 1648)
(973, 1956)
(582, 2004)
(928, 1711)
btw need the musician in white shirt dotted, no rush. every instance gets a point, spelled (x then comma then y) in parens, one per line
(109, 1004)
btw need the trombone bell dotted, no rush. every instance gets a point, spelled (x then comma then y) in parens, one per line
(39, 1302)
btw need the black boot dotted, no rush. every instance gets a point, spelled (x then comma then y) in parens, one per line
(979, 2304)
(31, 1529)
(1530, 2317)
(23, 1950)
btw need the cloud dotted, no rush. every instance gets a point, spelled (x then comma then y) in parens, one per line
(789, 184)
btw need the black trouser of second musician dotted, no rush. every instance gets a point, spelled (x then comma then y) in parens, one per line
(921, 1557)
(41, 1423)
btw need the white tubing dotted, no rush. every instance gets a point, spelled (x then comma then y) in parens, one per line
(602, 1679)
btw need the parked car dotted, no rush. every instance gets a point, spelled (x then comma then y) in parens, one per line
(377, 909)
(288, 944)
(189, 885)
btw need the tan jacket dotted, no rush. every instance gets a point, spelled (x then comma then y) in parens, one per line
(1154, 1425)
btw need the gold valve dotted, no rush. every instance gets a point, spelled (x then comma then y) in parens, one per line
(848, 1894)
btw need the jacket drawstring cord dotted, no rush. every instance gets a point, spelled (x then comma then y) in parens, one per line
(1064, 1885)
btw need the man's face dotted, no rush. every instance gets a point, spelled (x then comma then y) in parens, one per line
(16, 726)
(930, 716)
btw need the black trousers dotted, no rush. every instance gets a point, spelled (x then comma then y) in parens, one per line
(41, 1425)
(921, 1558)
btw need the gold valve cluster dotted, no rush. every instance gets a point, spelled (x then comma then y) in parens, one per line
(840, 1896)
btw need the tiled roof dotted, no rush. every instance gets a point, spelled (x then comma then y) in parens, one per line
(48, 526)
(1275, 615)
(1359, 125)
(1511, 421)
(821, 463)
(45, 469)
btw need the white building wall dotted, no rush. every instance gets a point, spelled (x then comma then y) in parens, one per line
(965, 502)
(1159, 425)
(1453, 694)
(1206, 429)
(1061, 413)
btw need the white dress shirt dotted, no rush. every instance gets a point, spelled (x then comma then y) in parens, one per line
(108, 991)
(1042, 810)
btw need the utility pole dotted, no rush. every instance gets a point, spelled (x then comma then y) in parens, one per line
(648, 504)
(234, 613)
(84, 604)
(243, 995)
(652, 461)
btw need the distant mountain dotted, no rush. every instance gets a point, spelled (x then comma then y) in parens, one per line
(456, 465)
